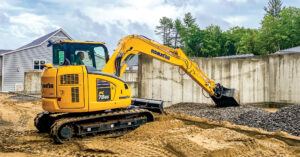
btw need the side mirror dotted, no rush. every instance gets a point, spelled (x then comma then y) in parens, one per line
(50, 43)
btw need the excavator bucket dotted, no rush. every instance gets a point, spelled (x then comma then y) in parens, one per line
(149, 104)
(226, 97)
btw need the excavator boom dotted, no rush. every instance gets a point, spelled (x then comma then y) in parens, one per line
(136, 44)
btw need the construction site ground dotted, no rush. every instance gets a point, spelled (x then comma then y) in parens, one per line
(174, 134)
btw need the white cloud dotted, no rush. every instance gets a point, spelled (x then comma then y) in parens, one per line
(11, 6)
(237, 1)
(30, 25)
(143, 13)
(236, 20)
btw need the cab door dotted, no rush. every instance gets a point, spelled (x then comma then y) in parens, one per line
(70, 89)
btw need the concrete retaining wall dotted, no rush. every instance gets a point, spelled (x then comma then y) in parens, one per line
(32, 82)
(131, 78)
(259, 79)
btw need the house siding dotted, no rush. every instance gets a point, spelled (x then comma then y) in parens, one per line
(0, 67)
(62, 35)
(17, 63)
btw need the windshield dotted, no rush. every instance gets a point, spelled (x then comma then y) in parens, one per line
(93, 55)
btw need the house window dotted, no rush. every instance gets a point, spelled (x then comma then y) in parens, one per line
(38, 64)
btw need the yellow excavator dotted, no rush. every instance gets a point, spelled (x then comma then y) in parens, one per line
(82, 93)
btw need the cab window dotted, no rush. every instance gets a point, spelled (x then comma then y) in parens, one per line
(93, 55)
(83, 58)
(100, 57)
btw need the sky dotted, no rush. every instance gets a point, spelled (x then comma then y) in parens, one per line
(22, 21)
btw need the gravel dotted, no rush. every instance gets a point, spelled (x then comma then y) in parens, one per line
(24, 98)
(286, 119)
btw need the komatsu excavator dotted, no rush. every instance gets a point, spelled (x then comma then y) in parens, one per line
(82, 93)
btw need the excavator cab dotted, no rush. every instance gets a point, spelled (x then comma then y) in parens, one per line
(91, 54)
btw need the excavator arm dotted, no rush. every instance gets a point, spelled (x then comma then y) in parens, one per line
(135, 44)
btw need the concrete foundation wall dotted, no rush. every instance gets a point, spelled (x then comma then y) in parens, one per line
(259, 79)
(32, 82)
(131, 78)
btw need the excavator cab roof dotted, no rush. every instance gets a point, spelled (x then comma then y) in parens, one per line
(82, 42)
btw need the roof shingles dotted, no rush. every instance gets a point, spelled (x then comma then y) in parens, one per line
(39, 40)
(4, 51)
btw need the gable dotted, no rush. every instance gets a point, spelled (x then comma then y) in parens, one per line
(54, 36)
(39, 40)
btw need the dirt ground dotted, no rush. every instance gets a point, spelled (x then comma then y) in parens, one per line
(271, 109)
(169, 135)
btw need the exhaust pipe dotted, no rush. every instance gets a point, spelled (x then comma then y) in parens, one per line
(225, 97)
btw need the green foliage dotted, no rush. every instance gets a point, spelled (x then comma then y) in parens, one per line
(213, 42)
(281, 33)
(280, 30)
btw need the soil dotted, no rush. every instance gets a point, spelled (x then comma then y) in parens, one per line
(271, 109)
(169, 135)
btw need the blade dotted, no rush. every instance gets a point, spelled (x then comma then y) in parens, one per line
(149, 104)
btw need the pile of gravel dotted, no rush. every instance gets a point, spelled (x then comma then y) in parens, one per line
(286, 119)
(211, 112)
(253, 118)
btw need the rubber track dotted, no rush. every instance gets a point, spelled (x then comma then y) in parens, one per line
(60, 122)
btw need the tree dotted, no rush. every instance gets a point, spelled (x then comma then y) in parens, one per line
(280, 33)
(233, 37)
(177, 28)
(274, 8)
(290, 27)
(164, 29)
(191, 36)
(248, 43)
(213, 42)
(189, 21)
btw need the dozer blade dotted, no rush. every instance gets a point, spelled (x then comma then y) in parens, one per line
(226, 97)
(149, 104)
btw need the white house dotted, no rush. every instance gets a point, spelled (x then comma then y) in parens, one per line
(13, 63)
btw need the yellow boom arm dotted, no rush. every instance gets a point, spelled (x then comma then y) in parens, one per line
(136, 44)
